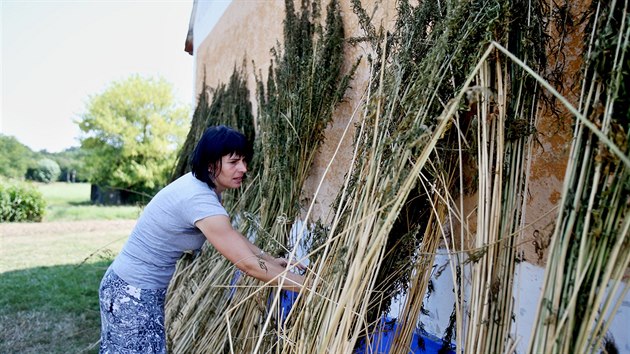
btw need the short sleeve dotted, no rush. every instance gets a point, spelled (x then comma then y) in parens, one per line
(201, 206)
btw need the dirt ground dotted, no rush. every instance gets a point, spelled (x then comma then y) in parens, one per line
(15, 229)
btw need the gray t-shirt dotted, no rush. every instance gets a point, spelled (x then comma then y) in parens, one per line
(164, 231)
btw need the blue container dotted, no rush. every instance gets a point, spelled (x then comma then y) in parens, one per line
(381, 340)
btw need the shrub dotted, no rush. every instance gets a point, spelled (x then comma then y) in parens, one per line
(46, 171)
(71, 162)
(15, 157)
(20, 201)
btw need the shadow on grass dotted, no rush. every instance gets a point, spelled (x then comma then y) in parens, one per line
(51, 309)
(82, 203)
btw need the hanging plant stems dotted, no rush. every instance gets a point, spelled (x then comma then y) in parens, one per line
(295, 105)
(590, 249)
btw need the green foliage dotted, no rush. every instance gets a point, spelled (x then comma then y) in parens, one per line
(295, 105)
(131, 132)
(230, 106)
(46, 171)
(199, 124)
(71, 162)
(15, 157)
(20, 201)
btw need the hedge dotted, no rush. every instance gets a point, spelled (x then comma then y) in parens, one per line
(20, 201)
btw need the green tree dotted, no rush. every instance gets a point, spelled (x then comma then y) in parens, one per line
(46, 170)
(131, 133)
(15, 157)
(71, 162)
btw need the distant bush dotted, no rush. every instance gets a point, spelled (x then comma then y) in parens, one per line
(46, 171)
(20, 201)
(71, 162)
(15, 157)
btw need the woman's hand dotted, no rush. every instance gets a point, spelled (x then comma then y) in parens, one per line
(283, 262)
(246, 256)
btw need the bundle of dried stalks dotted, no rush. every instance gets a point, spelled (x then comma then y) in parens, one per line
(499, 207)
(590, 246)
(229, 105)
(295, 103)
(405, 116)
(211, 307)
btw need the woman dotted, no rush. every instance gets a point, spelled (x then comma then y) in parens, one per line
(180, 218)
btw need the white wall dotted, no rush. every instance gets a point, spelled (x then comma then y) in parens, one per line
(207, 14)
(527, 287)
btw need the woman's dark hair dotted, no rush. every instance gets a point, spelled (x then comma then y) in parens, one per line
(215, 143)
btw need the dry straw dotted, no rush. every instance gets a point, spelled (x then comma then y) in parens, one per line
(590, 250)
(453, 89)
(210, 305)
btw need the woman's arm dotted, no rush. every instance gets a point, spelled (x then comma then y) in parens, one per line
(283, 262)
(244, 255)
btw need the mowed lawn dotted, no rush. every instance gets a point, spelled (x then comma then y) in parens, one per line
(71, 201)
(50, 272)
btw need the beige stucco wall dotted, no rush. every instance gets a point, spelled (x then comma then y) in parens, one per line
(553, 137)
(249, 29)
(246, 32)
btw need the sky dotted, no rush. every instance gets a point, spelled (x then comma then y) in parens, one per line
(56, 54)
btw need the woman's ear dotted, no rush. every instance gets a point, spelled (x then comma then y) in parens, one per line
(213, 170)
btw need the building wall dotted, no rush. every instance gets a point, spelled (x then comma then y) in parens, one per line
(247, 31)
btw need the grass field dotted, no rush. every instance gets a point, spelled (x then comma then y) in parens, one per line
(71, 201)
(50, 271)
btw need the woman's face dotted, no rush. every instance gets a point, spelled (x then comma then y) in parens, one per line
(231, 174)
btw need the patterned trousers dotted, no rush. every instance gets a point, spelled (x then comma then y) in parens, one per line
(132, 319)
